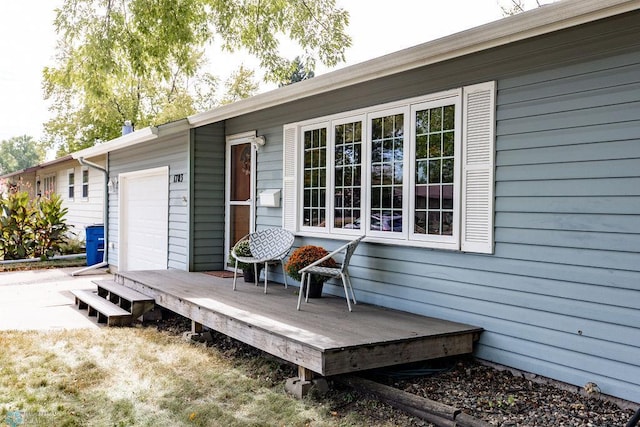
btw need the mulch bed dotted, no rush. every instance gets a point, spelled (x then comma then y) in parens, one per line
(499, 397)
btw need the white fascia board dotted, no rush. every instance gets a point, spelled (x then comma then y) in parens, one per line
(123, 141)
(134, 138)
(543, 20)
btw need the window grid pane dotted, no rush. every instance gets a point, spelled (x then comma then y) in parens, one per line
(48, 185)
(71, 185)
(348, 170)
(387, 154)
(434, 163)
(85, 184)
(315, 177)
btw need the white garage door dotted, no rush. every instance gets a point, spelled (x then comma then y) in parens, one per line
(144, 219)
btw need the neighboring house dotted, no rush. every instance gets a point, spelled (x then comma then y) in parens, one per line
(80, 187)
(495, 173)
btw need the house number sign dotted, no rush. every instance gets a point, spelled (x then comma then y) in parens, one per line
(178, 177)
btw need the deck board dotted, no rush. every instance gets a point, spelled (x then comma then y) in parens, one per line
(323, 336)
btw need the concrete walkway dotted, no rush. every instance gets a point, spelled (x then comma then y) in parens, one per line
(40, 299)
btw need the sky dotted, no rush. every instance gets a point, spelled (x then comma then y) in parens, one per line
(377, 27)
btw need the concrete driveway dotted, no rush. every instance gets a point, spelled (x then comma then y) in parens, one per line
(40, 299)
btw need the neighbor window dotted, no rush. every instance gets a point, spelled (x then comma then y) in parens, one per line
(419, 171)
(85, 183)
(48, 185)
(71, 176)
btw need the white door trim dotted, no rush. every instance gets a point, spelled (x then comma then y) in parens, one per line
(240, 138)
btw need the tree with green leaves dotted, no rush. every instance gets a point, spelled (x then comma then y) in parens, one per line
(143, 61)
(241, 84)
(298, 73)
(20, 152)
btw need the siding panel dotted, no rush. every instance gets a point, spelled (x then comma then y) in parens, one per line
(207, 157)
(567, 196)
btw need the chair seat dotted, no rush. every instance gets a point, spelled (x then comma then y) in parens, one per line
(324, 271)
(251, 260)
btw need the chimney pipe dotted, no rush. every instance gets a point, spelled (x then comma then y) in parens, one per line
(127, 128)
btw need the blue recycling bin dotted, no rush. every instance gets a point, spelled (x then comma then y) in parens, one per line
(94, 236)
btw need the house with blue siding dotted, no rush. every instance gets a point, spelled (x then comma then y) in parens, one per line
(495, 174)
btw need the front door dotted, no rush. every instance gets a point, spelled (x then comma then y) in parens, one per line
(240, 194)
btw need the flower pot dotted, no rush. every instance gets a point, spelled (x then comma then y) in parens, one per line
(315, 291)
(248, 274)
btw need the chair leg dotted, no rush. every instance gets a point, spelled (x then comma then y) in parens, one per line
(346, 291)
(306, 298)
(255, 274)
(353, 295)
(284, 273)
(301, 289)
(235, 275)
(266, 273)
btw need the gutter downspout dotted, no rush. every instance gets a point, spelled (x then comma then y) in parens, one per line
(105, 216)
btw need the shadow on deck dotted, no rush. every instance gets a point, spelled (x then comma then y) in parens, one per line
(323, 337)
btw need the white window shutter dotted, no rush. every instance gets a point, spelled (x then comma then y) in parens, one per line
(478, 167)
(290, 178)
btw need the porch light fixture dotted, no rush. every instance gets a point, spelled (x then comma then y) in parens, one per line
(259, 141)
(112, 185)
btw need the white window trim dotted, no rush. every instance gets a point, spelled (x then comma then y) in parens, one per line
(366, 211)
(320, 125)
(47, 181)
(71, 188)
(85, 168)
(466, 217)
(436, 241)
(331, 171)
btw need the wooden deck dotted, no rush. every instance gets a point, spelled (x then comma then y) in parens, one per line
(323, 336)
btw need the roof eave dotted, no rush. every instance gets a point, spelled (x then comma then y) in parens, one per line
(132, 138)
(138, 137)
(38, 166)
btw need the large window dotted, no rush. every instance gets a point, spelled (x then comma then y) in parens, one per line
(419, 172)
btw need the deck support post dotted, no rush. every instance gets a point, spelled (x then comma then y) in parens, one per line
(304, 374)
(302, 384)
(196, 327)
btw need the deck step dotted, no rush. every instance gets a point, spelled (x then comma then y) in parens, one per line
(131, 300)
(105, 311)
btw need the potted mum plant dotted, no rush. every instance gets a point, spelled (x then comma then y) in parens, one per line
(242, 249)
(302, 257)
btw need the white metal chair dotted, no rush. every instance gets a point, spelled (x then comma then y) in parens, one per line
(333, 272)
(267, 246)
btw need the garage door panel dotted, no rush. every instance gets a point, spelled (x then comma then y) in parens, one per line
(144, 219)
